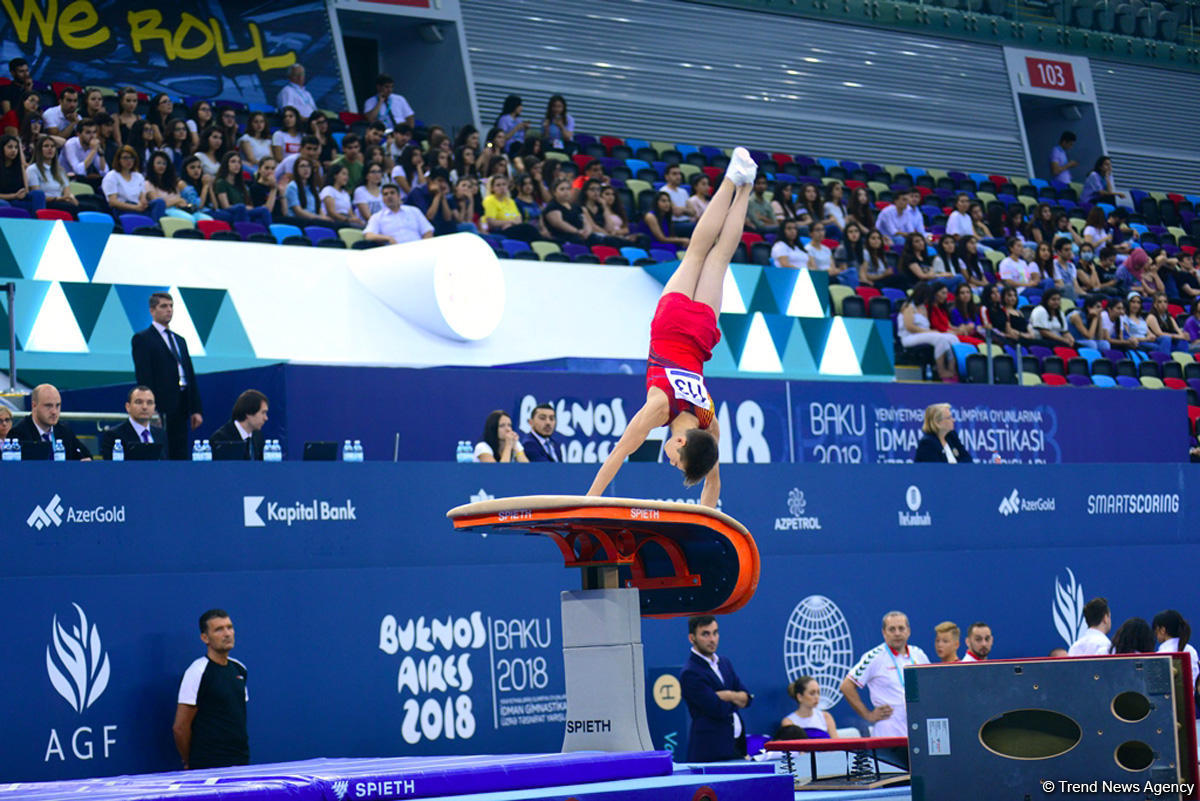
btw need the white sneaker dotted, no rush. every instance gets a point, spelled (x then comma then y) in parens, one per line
(742, 169)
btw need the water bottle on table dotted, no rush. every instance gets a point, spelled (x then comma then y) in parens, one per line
(60, 452)
(118, 454)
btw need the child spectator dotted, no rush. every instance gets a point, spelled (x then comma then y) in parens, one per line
(338, 204)
(698, 202)
(233, 196)
(787, 251)
(255, 143)
(401, 138)
(126, 188)
(286, 140)
(659, 221)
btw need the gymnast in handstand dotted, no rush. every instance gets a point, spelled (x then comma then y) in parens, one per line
(682, 336)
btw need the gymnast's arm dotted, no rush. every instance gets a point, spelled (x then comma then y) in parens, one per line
(712, 482)
(652, 415)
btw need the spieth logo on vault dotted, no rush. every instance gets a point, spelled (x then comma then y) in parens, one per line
(316, 510)
(53, 514)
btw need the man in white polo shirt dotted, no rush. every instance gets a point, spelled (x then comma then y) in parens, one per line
(979, 642)
(881, 672)
(394, 223)
(1095, 640)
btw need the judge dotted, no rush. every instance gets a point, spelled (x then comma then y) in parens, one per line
(940, 443)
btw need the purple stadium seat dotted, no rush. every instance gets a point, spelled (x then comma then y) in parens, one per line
(13, 211)
(1194, 383)
(572, 250)
(247, 229)
(131, 221)
(1128, 382)
(1161, 358)
(316, 233)
(1079, 380)
(1114, 356)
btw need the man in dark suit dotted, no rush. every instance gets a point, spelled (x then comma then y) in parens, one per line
(249, 417)
(161, 362)
(137, 430)
(540, 445)
(43, 425)
(714, 694)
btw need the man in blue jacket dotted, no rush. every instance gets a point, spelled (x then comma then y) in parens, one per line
(714, 694)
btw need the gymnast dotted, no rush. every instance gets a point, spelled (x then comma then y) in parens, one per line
(682, 335)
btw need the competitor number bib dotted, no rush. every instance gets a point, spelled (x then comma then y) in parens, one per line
(688, 386)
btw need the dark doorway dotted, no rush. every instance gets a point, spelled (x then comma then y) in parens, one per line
(362, 58)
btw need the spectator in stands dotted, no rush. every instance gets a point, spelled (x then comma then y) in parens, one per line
(195, 187)
(287, 140)
(879, 671)
(1016, 328)
(401, 138)
(1043, 261)
(265, 191)
(860, 208)
(1063, 230)
(227, 124)
(178, 143)
(1168, 335)
(500, 212)
(233, 196)
(1088, 277)
(409, 171)
(201, 119)
(469, 206)
(46, 175)
(13, 120)
(105, 132)
(820, 257)
(874, 269)
(294, 96)
(940, 310)
(1132, 637)
(317, 126)
(1063, 270)
(593, 212)
(835, 206)
(212, 143)
(139, 428)
(1187, 281)
(161, 361)
(540, 446)
(162, 109)
(210, 716)
(1095, 640)
(164, 186)
(659, 222)
(386, 106)
(681, 217)
(5, 422)
(1191, 327)
(531, 202)
(558, 126)
(1098, 186)
(946, 640)
(246, 424)
(760, 216)
(62, 119)
(977, 271)
(986, 239)
(21, 81)
(499, 442)
(355, 162)
(1085, 326)
(130, 125)
(1137, 274)
(992, 313)
(1110, 325)
(616, 223)
(959, 223)
(31, 131)
(915, 264)
(436, 202)
(946, 260)
(915, 329)
(1042, 225)
(510, 120)
(43, 424)
(1096, 232)
(368, 198)
(698, 202)
(1014, 271)
(81, 155)
(979, 642)
(939, 443)
(964, 314)
(464, 164)
(375, 134)
(1172, 633)
(338, 204)
(788, 252)
(565, 219)
(810, 204)
(813, 722)
(714, 694)
(126, 188)
(397, 224)
(900, 219)
(310, 149)
(850, 254)
(1060, 162)
(255, 143)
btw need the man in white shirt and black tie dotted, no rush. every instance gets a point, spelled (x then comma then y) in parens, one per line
(138, 429)
(540, 445)
(161, 362)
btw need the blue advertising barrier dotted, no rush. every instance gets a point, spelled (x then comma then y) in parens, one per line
(761, 420)
(369, 627)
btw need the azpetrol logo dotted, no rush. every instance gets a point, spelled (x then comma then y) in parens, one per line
(53, 514)
(1014, 504)
(315, 510)
(797, 521)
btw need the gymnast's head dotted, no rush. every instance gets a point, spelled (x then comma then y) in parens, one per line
(694, 452)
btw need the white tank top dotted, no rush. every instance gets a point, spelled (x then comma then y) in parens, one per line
(814, 721)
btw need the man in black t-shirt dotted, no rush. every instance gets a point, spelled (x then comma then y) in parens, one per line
(210, 719)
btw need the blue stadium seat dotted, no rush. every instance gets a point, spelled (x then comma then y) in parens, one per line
(130, 222)
(633, 254)
(97, 218)
(282, 231)
(961, 351)
(318, 232)
(637, 144)
(514, 246)
(1128, 382)
(1104, 381)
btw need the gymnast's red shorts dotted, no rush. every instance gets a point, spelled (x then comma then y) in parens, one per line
(682, 336)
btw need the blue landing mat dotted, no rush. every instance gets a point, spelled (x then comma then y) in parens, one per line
(359, 779)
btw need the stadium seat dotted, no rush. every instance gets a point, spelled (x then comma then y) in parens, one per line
(633, 254)
(604, 252)
(1149, 368)
(210, 227)
(1054, 365)
(248, 229)
(170, 225)
(80, 188)
(1174, 383)
(316, 233)
(1171, 369)
(544, 249)
(976, 369)
(1004, 369)
(131, 222)
(1079, 380)
(351, 236)
(300, 241)
(838, 293)
(880, 308)
(514, 246)
(854, 306)
(327, 242)
(282, 231)
(54, 214)
(867, 292)
(1053, 380)
(1078, 366)
(760, 253)
(1103, 381)
(223, 236)
(1150, 382)
(1129, 382)
(1126, 369)
(193, 233)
